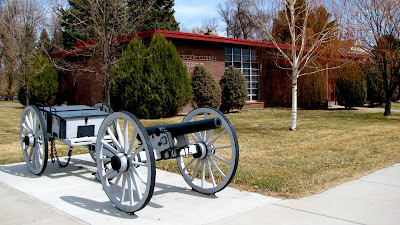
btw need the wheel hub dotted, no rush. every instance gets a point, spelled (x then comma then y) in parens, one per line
(119, 162)
(29, 140)
(202, 151)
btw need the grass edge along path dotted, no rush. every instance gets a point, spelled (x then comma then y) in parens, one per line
(329, 148)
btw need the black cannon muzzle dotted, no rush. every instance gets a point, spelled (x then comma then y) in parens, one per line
(178, 129)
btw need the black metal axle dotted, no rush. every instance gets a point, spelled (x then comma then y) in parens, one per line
(178, 129)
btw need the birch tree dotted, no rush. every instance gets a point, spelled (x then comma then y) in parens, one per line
(304, 47)
(376, 24)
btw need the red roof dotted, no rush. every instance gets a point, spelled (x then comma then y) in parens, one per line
(209, 38)
(79, 46)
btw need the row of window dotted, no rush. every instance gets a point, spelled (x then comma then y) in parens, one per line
(246, 61)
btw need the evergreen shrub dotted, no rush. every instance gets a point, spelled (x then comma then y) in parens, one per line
(43, 83)
(206, 91)
(234, 91)
(152, 81)
(375, 89)
(351, 86)
(313, 91)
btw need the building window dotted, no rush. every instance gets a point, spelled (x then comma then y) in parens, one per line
(246, 61)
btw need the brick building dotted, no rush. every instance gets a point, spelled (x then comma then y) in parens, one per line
(266, 83)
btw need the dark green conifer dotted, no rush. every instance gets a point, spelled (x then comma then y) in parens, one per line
(206, 91)
(234, 92)
(153, 82)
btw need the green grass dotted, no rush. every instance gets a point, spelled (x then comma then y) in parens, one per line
(328, 148)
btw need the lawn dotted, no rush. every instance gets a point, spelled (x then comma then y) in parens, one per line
(395, 105)
(329, 147)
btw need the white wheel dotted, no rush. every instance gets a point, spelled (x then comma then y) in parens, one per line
(125, 161)
(34, 139)
(214, 166)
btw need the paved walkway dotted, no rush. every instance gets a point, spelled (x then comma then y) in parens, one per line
(72, 196)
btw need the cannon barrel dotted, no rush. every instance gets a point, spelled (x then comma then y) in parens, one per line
(178, 129)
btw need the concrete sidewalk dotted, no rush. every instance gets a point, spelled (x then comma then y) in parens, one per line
(73, 196)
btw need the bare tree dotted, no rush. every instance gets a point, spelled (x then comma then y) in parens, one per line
(235, 14)
(209, 25)
(9, 33)
(376, 23)
(304, 48)
(31, 16)
(112, 23)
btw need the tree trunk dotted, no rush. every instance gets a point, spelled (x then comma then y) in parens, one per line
(388, 106)
(107, 98)
(293, 124)
(26, 97)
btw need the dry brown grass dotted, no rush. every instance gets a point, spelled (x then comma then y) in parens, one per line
(329, 147)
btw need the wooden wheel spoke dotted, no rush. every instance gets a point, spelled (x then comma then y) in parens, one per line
(119, 134)
(110, 150)
(203, 172)
(136, 184)
(190, 163)
(208, 136)
(122, 194)
(31, 120)
(217, 137)
(30, 153)
(105, 160)
(194, 138)
(114, 140)
(114, 187)
(139, 164)
(221, 159)
(134, 170)
(204, 132)
(132, 144)
(126, 136)
(28, 124)
(130, 195)
(222, 147)
(25, 128)
(110, 173)
(216, 167)
(195, 169)
(210, 173)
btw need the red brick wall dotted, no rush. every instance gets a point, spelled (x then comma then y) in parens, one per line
(80, 87)
(199, 48)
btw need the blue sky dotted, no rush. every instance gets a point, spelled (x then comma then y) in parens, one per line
(190, 13)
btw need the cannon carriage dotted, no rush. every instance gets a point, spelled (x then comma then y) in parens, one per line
(204, 145)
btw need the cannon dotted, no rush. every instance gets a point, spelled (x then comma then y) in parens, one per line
(204, 145)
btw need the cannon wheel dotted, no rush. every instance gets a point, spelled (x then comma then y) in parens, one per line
(214, 166)
(34, 139)
(125, 161)
(105, 108)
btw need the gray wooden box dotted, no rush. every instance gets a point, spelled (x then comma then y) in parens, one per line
(74, 121)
